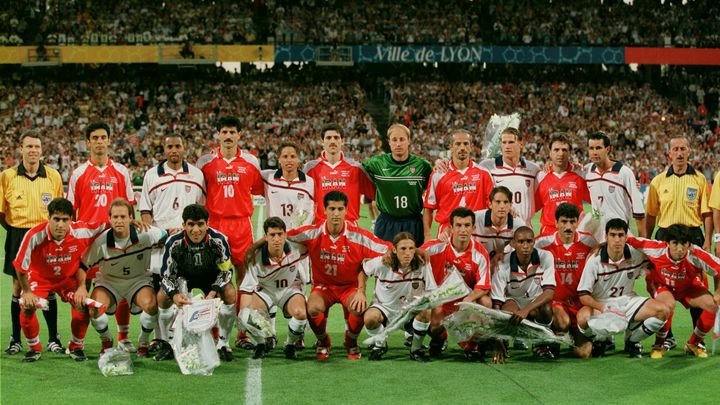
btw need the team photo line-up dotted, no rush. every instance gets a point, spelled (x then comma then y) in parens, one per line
(88, 249)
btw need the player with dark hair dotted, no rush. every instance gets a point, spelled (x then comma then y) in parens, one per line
(200, 256)
(495, 226)
(49, 261)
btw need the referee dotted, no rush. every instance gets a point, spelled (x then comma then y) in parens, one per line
(26, 191)
(400, 180)
(715, 207)
(679, 196)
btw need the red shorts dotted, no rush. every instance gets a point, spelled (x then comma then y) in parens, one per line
(43, 289)
(239, 234)
(335, 294)
(571, 308)
(683, 293)
(91, 272)
(450, 307)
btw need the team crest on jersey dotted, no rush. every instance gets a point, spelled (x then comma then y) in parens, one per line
(45, 198)
(72, 249)
(412, 169)
(527, 183)
(188, 189)
(140, 256)
(692, 193)
(630, 275)
(415, 285)
(300, 196)
(291, 268)
(611, 189)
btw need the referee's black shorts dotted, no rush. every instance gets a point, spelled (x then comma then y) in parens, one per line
(696, 235)
(387, 226)
(13, 240)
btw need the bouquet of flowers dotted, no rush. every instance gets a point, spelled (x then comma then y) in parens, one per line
(497, 123)
(115, 362)
(193, 343)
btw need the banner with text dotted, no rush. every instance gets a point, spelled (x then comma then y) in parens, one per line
(460, 54)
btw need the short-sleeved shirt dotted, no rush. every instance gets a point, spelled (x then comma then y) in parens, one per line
(511, 281)
(337, 260)
(92, 188)
(557, 188)
(394, 288)
(50, 262)
(604, 278)
(614, 193)
(265, 273)
(521, 181)
(399, 185)
(469, 187)
(678, 199)
(714, 201)
(230, 184)
(473, 264)
(347, 176)
(293, 201)
(494, 239)
(166, 193)
(569, 261)
(23, 199)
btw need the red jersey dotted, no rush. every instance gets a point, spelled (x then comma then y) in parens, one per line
(569, 262)
(337, 260)
(554, 189)
(676, 275)
(50, 262)
(347, 176)
(92, 188)
(473, 264)
(231, 184)
(469, 188)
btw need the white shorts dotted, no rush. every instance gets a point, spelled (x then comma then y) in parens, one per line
(391, 313)
(521, 302)
(275, 298)
(127, 289)
(156, 260)
(631, 308)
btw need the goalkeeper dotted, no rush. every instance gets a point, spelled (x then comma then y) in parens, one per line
(524, 285)
(397, 285)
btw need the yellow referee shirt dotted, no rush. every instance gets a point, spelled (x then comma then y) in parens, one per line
(715, 195)
(678, 198)
(23, 199)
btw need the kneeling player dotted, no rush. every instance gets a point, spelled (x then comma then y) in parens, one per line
(199, 255)
(524, 286)
(471, 260)
(274, 279)
(608, 283)
(49, 261)
(677, 266)
(402, 281)
(123, 256)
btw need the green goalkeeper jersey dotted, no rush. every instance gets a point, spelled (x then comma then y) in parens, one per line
(399, 185)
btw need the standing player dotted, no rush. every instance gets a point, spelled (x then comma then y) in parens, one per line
(289, 192)
(465, 184)
(274, 279)
(570, 250)
(523, 286)
(93, 186)
(123, 257)
(25, 192)
(397, 284)
(337, 250)
(49, 261)
(559, 185)
(400, 180)
(167, 189)
(514, 172)
(200, 256)
(613, 189)
(495, 226)
(471, 260)
(332, 171)
(608, 284)
(714, 204)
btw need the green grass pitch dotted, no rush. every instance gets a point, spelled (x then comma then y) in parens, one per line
(56, 379)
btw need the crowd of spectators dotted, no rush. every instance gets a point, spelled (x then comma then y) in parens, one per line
(488, 22)
(294, 103)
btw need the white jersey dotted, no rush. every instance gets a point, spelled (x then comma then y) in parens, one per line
(512, 282)
(393, 289)
(266, 274)
(494, 239)
(614, 193)
(121, 260)
(166, 192)
(605, 279)
(521, 181)
(293, 201)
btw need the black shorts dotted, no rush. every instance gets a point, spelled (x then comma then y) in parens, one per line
(386, 227)
(156, 279)
(13, 240)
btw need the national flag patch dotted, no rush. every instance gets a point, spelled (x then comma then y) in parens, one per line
(692, 193)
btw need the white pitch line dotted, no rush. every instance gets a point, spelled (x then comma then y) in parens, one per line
(253, 377)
